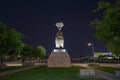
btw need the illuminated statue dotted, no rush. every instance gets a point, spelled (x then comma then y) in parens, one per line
(59, 40)
(59, 57)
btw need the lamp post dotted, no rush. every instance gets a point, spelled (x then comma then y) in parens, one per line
(90, 44)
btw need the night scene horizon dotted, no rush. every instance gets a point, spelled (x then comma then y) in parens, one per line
(36, 20)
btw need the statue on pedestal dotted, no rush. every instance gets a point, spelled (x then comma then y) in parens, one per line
(59, 57)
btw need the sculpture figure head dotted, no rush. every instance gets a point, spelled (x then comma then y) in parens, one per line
(59, 25)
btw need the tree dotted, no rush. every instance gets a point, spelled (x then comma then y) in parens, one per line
(3, 38)
(40, 51)
(10, 40)
(26, 52)
(14, 42)
(108, 29)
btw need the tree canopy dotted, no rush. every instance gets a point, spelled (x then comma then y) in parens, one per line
(108, 29)
(40, 51)
(11, 44)
(10, 40)
(26, 52)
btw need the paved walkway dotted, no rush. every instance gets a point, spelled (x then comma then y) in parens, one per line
(103, 74)
(18, 70)
(100, 73)
(106, 75)
(110, 65)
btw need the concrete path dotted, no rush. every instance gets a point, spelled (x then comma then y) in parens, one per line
(105, 75)
(110, 65)
(14, 71)
(99, 73)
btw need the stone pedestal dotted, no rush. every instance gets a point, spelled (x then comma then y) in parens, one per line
(59, 58)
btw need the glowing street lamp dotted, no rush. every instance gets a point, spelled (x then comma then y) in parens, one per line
(90, 44)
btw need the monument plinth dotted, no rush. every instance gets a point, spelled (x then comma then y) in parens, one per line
(59, 57)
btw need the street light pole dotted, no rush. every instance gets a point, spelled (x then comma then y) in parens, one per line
(90, 44)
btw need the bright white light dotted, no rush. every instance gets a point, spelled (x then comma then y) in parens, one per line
(55, 50)
(109, 53)
(59, 50)
(89, 44)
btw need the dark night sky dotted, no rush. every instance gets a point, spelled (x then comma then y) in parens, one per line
(36, 19)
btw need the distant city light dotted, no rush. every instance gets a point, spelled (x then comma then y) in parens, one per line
(109, 53)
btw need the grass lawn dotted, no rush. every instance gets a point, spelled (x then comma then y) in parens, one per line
(44, 73)
(106, 69)
(9, 68)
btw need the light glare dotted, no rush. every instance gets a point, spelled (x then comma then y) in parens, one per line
(59, 50)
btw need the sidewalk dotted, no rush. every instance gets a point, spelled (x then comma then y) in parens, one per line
(100, 73)
(14, 71)
(105, 75)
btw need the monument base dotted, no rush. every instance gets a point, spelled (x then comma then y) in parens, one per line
(59, 58)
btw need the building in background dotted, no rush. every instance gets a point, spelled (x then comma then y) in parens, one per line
(97, 54)
(106, 55)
